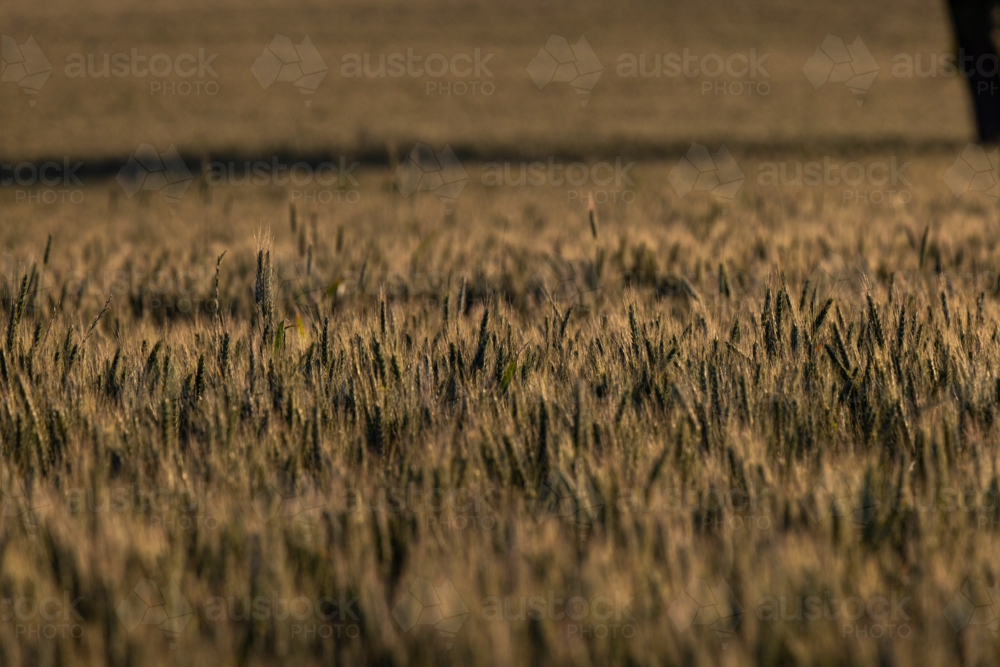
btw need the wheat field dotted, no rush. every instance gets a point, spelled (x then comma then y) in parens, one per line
(402, 378)
(669, 443)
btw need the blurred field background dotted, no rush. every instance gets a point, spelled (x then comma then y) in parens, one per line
(110, 117)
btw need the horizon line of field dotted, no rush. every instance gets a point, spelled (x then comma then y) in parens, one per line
(106, 167)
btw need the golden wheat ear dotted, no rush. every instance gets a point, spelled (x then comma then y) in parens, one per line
(592, 214)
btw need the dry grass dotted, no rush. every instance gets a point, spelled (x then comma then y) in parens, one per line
(594, 397)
